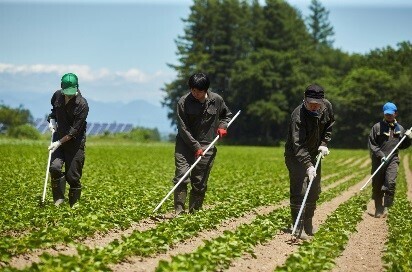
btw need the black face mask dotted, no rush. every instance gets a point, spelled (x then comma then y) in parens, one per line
(311, 113)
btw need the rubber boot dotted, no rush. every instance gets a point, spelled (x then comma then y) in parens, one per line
(378, 208)
(308, 227)
(385, 212)
(300, 232)
(58, 190)
(387, 202)
(180, 199)
(74, 196)
(195, 201)
(307, 222)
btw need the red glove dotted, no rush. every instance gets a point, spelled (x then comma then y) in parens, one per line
(222, 132)
(199, 153)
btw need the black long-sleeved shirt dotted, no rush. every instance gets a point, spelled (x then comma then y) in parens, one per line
(198, 122)
(70, 117)
(383, 138)
(306, 132)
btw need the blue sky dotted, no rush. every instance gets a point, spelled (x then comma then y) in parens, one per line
(120, 49)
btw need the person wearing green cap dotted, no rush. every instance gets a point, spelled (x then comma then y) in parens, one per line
(383, 138)
(67, 122)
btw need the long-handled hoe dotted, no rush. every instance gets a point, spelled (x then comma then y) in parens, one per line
(295, 237)
(383, 163)
(190, 169)
(47, 174)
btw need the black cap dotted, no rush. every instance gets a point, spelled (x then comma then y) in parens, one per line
(315, 91)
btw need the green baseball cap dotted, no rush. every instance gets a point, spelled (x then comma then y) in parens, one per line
(69, 84)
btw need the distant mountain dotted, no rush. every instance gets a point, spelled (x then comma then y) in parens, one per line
(138, 112)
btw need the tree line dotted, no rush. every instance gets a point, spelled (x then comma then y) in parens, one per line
(18, 123)
(261, 57)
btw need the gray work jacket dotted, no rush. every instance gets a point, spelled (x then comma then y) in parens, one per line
(383, 138)
(198, 122)
(307, 132)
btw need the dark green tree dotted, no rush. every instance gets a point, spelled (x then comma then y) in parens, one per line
(13, 117)
(318, 24)
(359, 106)
(397, 63)
(269, 81)
(215, 36)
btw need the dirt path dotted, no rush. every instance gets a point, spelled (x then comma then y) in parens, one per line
(97, 240)
(137, 263)
(149, 264)
(102, 239)
(274, 253)
(365, 247)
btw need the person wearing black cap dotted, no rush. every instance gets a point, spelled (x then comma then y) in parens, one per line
(201, 116)
(310, 130)
(67, 122)
(383, 138)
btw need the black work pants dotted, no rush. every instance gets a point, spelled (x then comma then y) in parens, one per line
(184, 158)
(71, 155)
(386, 177)
(299, 183)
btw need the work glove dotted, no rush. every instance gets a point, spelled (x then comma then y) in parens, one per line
(53, 146)
(198, 153)
(52, 125)
(383, 159)
(409, 133)
(311, 172)
(324, 150)
(221, 132)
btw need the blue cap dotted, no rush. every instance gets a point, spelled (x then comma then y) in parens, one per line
(389, 108)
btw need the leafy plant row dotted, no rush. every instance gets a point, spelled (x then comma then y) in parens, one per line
(163, 235)
(217, 254)
(330, 240)
(120, 209)
(398, 255)
(149, 242)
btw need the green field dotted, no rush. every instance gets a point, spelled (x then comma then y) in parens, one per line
(124, 181)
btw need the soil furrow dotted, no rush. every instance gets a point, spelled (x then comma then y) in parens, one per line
(103, 239)
(365, 247)
(274, 253)
(149, 264)
(137, 263)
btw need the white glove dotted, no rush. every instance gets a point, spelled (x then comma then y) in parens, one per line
(383, 159)
(52, 125)
(53, 146)
(409, 133)
(325, 151)
(311, 172)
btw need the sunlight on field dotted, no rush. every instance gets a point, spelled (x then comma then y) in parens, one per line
(124, 181)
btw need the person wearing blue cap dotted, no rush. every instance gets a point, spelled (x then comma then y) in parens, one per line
(67, 122)
(383, 138)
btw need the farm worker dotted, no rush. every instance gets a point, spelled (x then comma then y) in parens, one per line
(310, 130)
(383, 138)
(201, 116)
(68, 119)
